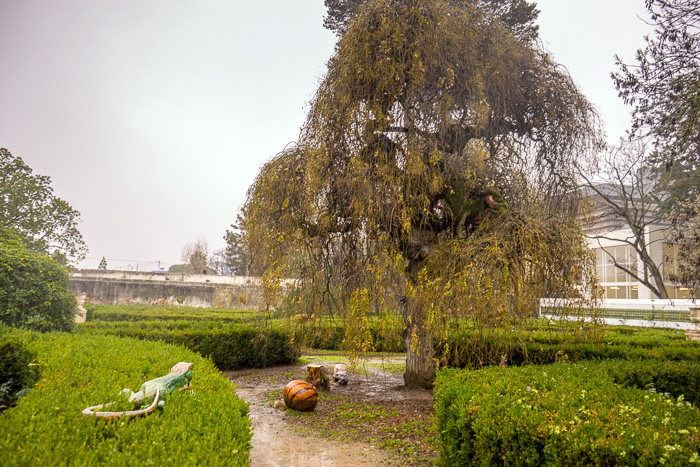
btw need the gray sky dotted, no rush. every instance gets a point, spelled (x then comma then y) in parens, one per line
(153, 117)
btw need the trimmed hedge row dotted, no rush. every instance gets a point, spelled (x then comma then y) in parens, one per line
(101, 312)
(542, 344)
(229, 346)
(204, 425)
(541, 347)
(594, 413)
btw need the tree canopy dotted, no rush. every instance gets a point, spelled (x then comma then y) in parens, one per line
(685, 234)
(196, 254)
(518, 15)
(34, 288)
(236, 251)
(433, 177)
(663, 86)
(44, 222)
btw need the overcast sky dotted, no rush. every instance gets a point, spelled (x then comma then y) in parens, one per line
(153, 117)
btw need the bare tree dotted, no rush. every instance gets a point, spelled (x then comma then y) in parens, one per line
(196, 254)
(625, 194)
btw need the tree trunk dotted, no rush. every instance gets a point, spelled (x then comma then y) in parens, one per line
(420, 369)
(660, 289)
(316, 375)
(660, 286)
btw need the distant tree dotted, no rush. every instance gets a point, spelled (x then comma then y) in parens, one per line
(179, 268)
(34, 289)
(196, 254)
(625, 192)
(217, 263)
(103, 264)
(236, 252)
(434, 178)
(44, 222)
(663, 86)
(518, 15)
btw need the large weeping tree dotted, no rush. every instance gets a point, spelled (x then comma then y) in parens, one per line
(433, 178)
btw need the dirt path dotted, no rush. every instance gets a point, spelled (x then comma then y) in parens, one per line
(290, 439)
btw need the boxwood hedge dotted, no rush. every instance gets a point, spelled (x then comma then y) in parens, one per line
(478, 349)
(229, 345)
(592, 413)
(18, 368)
(104, 312)
(203, 425)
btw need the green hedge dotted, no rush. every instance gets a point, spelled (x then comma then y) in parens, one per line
(569, 414)
(204, 425)
(18, 368)
(229, 346)
(103, 312)
(476, 349)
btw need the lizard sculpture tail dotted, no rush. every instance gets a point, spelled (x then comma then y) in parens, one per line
(91, 411)
(179, 377)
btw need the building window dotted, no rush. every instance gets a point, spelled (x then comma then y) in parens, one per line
(634, 292)
(682, 293)
(623, 255)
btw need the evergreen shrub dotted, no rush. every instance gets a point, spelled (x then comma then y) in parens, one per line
(206, 424)
(18, 368)
(105, 312)
(229, 345)
(588, 413)
(477, 349)
(34, 289)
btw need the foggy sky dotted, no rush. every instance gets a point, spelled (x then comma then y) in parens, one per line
(152, 118)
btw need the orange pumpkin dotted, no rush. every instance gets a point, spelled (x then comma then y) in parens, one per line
(300, 395)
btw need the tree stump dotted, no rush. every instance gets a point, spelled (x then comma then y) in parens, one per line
(316, 375)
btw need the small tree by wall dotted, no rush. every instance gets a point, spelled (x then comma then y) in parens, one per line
(34, 288)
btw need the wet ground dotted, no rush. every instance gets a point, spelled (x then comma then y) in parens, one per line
(372, 421)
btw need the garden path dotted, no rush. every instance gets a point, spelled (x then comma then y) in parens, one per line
(287, 438)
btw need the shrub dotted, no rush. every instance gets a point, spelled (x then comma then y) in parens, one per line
(102, 312)
(18, 368)
(480, 348)
(203, 425)
(565, 414)
(34, 291)
(230, 346)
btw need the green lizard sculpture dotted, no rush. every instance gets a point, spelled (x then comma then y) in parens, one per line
(179, 377)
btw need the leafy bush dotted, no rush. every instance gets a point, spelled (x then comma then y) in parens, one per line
(567, 414)
(34, 291)
(230, 346)
(203, 425)
(18, 368)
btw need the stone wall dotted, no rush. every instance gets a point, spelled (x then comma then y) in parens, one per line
(119, 287)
